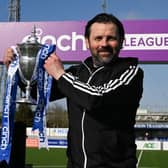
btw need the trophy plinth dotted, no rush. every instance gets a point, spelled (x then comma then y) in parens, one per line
(28, 65)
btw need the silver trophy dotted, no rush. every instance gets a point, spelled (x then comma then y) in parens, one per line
(28, 64)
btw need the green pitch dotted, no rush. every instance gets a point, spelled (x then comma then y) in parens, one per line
(56, 158)
(152, 159)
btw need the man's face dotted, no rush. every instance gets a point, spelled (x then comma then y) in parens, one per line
(104, 42)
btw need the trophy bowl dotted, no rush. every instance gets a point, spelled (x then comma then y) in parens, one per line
(28, 52)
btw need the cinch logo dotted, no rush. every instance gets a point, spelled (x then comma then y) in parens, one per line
(42, 137)
(64, 42)
(45, 52)
(4, 138)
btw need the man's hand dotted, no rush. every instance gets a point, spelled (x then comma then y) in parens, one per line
(54, 66)
(8, 57)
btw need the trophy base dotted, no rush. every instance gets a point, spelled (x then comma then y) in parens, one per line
(26, 101)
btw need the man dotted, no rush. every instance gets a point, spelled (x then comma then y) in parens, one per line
(103, 94)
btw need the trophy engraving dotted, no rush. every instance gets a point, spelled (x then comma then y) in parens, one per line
(28, 64)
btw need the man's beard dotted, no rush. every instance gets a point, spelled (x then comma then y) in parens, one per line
(99, 61)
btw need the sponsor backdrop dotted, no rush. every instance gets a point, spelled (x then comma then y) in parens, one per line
(57, 138)
(145, 39)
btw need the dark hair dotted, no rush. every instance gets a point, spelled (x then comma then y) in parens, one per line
(105, 18)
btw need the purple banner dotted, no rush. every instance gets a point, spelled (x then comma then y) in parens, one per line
(145, 39)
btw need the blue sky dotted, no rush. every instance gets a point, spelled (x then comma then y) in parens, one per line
(155, 95)
(53, 10)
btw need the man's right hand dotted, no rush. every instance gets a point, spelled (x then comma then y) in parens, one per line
(8, 57)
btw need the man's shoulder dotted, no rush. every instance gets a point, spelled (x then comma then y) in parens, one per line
(129, 60)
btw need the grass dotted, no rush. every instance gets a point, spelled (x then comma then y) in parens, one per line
(52, 157)
(153, 159)
(56, 158)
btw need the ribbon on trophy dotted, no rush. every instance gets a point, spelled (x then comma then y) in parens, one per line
(44, 83)
(8, 112)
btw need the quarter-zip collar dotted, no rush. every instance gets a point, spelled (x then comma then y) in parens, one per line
(89, 62)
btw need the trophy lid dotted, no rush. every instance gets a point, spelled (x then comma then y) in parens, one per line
(32, 40)
(31, 46)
